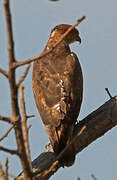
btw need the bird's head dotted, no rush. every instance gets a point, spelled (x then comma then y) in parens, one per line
(61, 29)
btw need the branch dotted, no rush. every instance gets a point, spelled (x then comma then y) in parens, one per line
(18, 64)
(12, 80)
(97, 123)
(9, 30)
(56, 160)
(5, 119)
(24, 124)
(30, 116)
(6, 134)
(14, 97)
(6, 168)
(79, 178)
(10, 151)
(2, 173)
(24, 75)
(3, 72)
(108, 93)
(93, 177)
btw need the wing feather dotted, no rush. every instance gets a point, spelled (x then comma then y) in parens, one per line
(58, 94)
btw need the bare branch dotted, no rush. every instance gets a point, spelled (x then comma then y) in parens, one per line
(2, 173)
(17, 64)
(108, 92)
(10, 151)
(24, 75)
(79, 178)
(30, 116)
(93, 177)
(24, 124)
(9, 30)
(3, 72)
(6, 166)
(56, 160)
(96, 124)
(12, 80)
(6, 134)
(14, 97)
(5, 119)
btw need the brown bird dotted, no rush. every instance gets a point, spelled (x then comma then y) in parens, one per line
(58, 88)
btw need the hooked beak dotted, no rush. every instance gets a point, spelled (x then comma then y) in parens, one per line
(78, 39)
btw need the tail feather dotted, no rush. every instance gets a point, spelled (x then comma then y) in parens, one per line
(60, 137)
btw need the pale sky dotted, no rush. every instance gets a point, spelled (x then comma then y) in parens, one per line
(32, 23)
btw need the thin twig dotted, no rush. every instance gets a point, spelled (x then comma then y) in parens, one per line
(93, 177)
(3, 72)
(108, 93)
(24, 124)
(30, 116)
(10, 151)
(18, 64)
(79, 178)
(6, 134)
(6, 168)
(5, 119)
(2, 173)
(24, 75)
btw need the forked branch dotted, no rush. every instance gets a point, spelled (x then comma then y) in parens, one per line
(16, 117)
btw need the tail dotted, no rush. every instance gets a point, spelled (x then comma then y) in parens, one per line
(60, 137)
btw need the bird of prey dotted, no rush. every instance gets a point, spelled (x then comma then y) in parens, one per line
(58, 88)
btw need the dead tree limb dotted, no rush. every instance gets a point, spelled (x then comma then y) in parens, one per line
(97, 124)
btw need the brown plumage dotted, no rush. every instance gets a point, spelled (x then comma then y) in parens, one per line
(58, 88)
